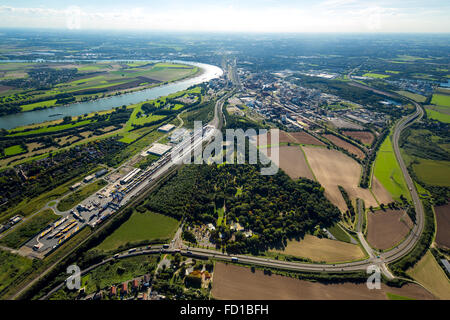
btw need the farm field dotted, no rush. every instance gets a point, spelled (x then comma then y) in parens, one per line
(299, 137)
(365, 137)
(292, 161)
(326, 250)
(49, 129)
(443, 225)
(428, 273)
(387, 228)
(437, 115)
(345, 145)
(388, 172)
(233, 282)
(333, 168)
(147, 226)
(380, 192)
(13, 150)
(376, 75)
(28, 229)
(414, 96)
(433, 172)
(305, 138)
(42, 104)
(441, 100)
(80, 81)
(440, 109)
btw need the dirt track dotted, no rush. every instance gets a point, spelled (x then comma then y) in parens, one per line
(239, 283)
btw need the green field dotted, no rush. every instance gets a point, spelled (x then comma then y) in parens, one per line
(414, 96)
(376, 75)
(436, 115)
(31, 106)
(28, 229)
(388, 171)
(392, 296)
(429, 274)
(108, 79)
(441, 100)
(147, 226)
(12, 267)
(404, 57)
(433, 172)
(220, 213)
(75, 198)
(51, 129)
(339, 234)
(13, 150)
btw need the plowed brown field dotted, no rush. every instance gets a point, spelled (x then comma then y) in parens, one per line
(365, 137)
(292, 161)
(345, 145)
(387, 228)
(232, 282)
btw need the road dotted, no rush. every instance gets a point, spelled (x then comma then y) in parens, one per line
(408, 244)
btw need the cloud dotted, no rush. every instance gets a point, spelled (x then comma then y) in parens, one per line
(327, 16)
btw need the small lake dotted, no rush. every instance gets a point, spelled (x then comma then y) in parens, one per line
(80, 108)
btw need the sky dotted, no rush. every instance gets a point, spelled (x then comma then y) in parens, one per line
(230, 15)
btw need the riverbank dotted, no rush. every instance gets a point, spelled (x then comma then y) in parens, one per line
(205, 73)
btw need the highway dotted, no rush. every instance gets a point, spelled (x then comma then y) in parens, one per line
(408, 244)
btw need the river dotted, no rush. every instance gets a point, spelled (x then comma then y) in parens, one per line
(80, 108)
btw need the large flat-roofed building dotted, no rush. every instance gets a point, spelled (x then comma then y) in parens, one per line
(166, 127)
(89, 178)
(128, 177)
(75, 186)
(157, 149)
(101, 173)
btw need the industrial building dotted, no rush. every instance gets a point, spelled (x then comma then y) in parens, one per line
(158, 149)
(129, 176)
(89, 178)
(101, 173)
(166, 127)
(75, 186)
(178, 135)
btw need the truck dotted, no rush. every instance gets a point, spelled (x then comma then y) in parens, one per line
(36, 247)
(234, 259)
(132, 250)
(166, 246)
